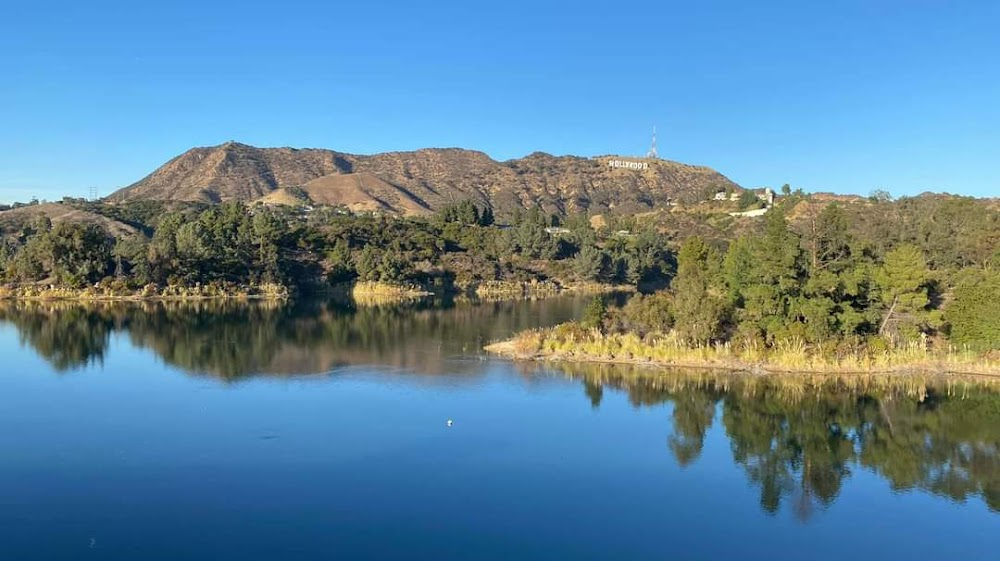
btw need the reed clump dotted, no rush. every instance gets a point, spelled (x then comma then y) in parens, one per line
(376, 293)
(590, 287)
(502, 290)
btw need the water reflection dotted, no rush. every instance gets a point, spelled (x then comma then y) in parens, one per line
(799, 438)
(232, 340)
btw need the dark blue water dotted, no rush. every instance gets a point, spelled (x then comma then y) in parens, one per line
(320, 433)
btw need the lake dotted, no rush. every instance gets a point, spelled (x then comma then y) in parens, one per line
(319, 431)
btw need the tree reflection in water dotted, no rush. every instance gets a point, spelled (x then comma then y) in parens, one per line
(233, 340)
(78, 339)
(798, 438)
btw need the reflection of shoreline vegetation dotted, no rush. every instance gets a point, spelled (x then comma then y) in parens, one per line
(798, 438)
(234, 339)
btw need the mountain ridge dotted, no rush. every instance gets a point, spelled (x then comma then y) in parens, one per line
(422, 181)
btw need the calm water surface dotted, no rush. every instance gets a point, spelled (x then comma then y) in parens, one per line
(168, 432)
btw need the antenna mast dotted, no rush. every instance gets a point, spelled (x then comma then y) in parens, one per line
(652, 148)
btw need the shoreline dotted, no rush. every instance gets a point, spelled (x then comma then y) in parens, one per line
(149, 293)
(370, 293)
(954, 364)
(379, 293)
(363, 293)
(538, 289)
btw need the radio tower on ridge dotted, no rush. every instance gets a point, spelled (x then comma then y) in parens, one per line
(652, 149)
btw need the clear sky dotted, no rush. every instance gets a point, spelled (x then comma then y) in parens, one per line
(847, 96)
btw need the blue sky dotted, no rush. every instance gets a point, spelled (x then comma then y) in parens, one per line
(845, 96)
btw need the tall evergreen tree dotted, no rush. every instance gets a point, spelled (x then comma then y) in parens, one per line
(772, 280)
(902, 280)
(699, 307)
(974, 314)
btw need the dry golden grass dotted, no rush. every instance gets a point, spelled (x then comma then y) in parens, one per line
(507, 290)
(379, 293)
(281, 197)
(571, 342)
(113, 291)
(515, 289)
(597, 288)
(363, 192)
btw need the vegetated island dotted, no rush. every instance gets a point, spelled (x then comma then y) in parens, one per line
(825, 301)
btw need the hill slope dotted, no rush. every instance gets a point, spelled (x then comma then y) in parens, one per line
(15, 219)
(422, 181)
(231, 171)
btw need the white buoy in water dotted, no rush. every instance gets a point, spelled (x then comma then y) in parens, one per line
(449, 423)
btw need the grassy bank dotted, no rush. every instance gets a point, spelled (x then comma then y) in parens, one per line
(514, 290)
(113, 292)
(508, 290)
(365, 293)
(572, 343)
(595, 288)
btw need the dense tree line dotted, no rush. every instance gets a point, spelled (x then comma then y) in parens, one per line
(834, 284)
(236, 243)
(225, 242)
(69, 253)
(884, 272)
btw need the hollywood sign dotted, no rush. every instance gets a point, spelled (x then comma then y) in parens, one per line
(626, 164)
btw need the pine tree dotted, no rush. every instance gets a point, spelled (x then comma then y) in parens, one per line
(589, 262)
(698, 304)
(974, 315)
(772, 281)
(902, 280)
(593, 315)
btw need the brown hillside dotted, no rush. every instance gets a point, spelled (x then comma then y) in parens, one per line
(14, 219)
(232, 171)
(363, 192)
(424, 180)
